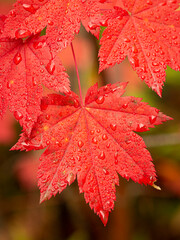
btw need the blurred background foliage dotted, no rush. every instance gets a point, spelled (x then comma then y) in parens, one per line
(141, 213)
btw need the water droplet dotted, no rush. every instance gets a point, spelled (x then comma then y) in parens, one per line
(48, 116)
(29, 8)
(101, 156)
(18, 115)
(125, 105)
(50, 67)
(116, 157)
(13, 13)
(108, 145)
(126, 40)
(109, 205)
(141, 127)
(104, 137)
(50, 22)
(76, 103)
(39, 44)
(104, 216)
(92, 132)
(106, 172)
(70, 178)
(94, 140)
(113, 126)
(100, 100)
(80, 144)
(134, 61)
(17, 58)
(152, 119)
(22, 33)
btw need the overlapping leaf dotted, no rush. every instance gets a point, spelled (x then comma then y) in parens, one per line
(24, 67)
(148, 34)
(94, 143)
(62, 19)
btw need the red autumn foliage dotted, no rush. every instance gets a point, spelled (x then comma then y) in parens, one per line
(94, 141)
(148, 33)
(80, 143)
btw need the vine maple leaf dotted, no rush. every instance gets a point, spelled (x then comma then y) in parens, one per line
(93, 143)
(62, 19)
(24, 67)
(148, 33)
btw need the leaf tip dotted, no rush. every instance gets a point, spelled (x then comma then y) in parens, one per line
(104, 216)
(156, 187)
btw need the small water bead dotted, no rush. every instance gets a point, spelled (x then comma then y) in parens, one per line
(38, 45)
(104, 216)
(13, 13)
(101, 156)
(125, 105)
(141, 127)
(94, 140)
(76, 103)
(100, 100)
(113, 126)
(22, 33)
(70, 178)
(18, 115)
(92, 132)
(109, 204)
(29, 7)
(104, 137)
(50, 67)
(50, 22)
(17, 58)
(80, 144)
(152, 119)
(106, 172)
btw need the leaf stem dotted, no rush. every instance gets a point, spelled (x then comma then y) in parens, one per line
(77, 73)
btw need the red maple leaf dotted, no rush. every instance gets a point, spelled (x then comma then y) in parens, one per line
(24, 67)
(62, 19)
(94, 143)
(148, 33)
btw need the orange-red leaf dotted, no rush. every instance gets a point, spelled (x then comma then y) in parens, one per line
(62, 19)
(25, 66)
(94, 143)
(148, 34)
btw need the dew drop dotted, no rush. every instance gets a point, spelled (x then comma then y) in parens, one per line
(48, 116)
(22, 33)
(70, 178)
(104, 137)
(29, 8)
(50, 22)
(101, 156)
(116, 157)
(108, 145)
(113, 126)
(80, 144)
(106, 172)
(141, 127)
(13, 13)
(94, 140)
(17, 58)
(18, 115)
(76, 103)
(104, 216)
(152, 119)
(100, 100)
(125, 105)
(38, 45)
(109, 205)
(50, 67)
